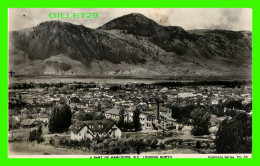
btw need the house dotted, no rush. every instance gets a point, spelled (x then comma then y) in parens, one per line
(42, 118)
(146, 121)
(186, 95)
(29, 123)
(214, 102)
(113, 114)
(164, 111)
(55, 99)
(89, 109)
(95, 129)
(164, 90)
(148, 117)
(74, 101)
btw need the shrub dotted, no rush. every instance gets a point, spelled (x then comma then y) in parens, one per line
(51, 141)
(198, 145)
(154, 144)
(162, 145)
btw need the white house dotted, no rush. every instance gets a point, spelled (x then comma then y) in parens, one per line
(146, 121)
(164, 90)
(95, 128)
(113, 114)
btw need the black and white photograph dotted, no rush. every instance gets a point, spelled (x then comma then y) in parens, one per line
(130, 82)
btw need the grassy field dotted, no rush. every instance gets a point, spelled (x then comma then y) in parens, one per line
(172, 151)
(18, 145)
(22, 148)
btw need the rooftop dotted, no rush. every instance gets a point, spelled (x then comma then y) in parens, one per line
(100, 126)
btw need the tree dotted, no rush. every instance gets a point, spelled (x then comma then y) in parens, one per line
(200, 122)
(154, 144)
(52, 142)
(79, 115)
(198, 145)
(12, 124)
(32, 135)
(88, 116)
(86, 143)
(234, 104)
(138, 145)
(182, 113)
(99, 107)
(162, 145)
(36, 135)
(60, 118)
(136, 120)
(39, 137)
(231, 112)
(39, 131)
(120, 123)
(235, 135)
(98, 116)
(114, 88)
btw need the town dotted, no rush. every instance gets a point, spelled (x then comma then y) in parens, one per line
(113, 118)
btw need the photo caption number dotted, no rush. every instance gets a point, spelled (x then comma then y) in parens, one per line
(92, 15)
(89, 15)
(95, 15)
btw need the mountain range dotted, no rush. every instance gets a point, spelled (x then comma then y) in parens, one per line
(131, 45)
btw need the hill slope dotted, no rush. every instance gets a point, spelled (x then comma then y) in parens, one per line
(131, 45)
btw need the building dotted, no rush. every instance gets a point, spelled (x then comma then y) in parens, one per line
(42, 118)
(146, 121)
(152, 118)
(113, 114)
(95, 129)
(29, 123)
(74, 101)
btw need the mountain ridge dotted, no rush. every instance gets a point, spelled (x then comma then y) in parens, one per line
(129, 45)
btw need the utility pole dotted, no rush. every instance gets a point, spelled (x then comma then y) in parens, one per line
(163, 127)
(28, 125)
(12, 132)
(28, 136)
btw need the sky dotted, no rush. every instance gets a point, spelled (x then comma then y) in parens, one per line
(188, 18)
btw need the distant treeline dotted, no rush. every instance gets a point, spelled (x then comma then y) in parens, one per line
(78, 85)
(230, 84)
(32, 85)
